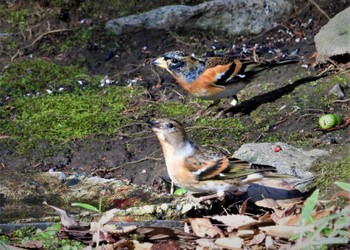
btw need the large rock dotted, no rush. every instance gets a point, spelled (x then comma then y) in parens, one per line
(285, 158)
(334, 38)
(228, 16)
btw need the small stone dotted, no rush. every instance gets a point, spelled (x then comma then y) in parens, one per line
(338, 91)
(72, 182)
(164, 206)
(186, 208)
(148, 209)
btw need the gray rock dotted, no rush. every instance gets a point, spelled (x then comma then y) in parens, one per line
(289, 160)
(334, 38)
(229, 16)
(338, 91)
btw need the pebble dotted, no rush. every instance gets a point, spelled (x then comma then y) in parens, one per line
(337, 90)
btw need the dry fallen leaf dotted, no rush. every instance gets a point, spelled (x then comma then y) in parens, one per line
(243, 208)
(169, 245)
(206, 244)
(292, 220)
(107, 216)
(343, 194)
(269, 242)
(289, 203)
(281, 231)
(258, 239)
(32, 244)
(203, 227)
(66, 221)
(245, 233)
(234, 220)
(317, 215)
(8, 247)
(230, 243)
(267, 203)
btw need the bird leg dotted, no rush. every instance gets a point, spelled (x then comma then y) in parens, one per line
(214, 103)
(219, 195)
(223, 112)
(206, 110)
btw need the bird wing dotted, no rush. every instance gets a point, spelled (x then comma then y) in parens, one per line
(239, 168)
(206, 165)
(211, 62)
(232, 70)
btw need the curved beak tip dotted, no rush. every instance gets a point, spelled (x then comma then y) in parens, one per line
(153, 124)
(160, 62)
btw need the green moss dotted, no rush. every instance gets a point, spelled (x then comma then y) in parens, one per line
(221, 132)
(17, 17)
(341, 79)
(56, 119)
(48, 237)
(36, 76)
(175, 110)
(330, 171)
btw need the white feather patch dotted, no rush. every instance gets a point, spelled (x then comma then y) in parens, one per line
(185, 151)
(218, 76)
(234, 102)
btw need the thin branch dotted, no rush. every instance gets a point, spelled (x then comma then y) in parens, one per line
(341, 101)
(320, 9)
(36, 40)
(133, 162)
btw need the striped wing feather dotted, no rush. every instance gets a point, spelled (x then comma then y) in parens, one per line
(206, 165)
(241, 70)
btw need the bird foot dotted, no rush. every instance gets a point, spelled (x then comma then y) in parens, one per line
(219, 115)
(207, 197)
(224, 113)
(200, 114)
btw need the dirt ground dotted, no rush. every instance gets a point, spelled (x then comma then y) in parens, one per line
(126, 59)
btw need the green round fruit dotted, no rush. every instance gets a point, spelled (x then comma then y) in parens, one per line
(339, 120)
(328, 121)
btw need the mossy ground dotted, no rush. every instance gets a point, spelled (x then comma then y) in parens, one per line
(53, 104)
(330, 171)
(47, 237)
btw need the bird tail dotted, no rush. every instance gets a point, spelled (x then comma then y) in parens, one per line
(254, 68)
(252, 172)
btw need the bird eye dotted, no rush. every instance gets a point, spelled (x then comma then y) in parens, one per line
(174, 60)
(170, 125)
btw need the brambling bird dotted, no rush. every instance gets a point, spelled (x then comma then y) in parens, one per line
(213, 78)
(202, 171)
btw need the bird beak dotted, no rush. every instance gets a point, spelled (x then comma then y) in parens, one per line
(160, 62)
(154, 124)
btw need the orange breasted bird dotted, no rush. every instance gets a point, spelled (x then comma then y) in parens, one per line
(202, 171)
(213, 78)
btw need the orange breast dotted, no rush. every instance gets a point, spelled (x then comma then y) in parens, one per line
(205, 85)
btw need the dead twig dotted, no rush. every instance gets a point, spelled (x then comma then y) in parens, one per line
(158, 76)
(341, 101)
(133, 162)
(176, 37)
(320, 9)
(37, 39)
(137, 67)
(105, 171)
